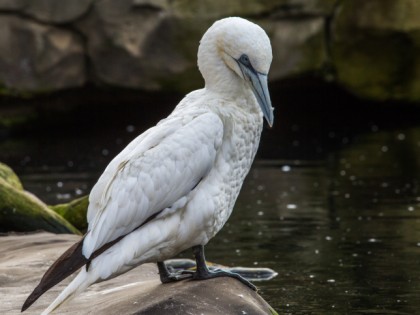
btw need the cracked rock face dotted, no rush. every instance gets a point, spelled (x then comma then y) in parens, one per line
(371, 48)
(36, 57)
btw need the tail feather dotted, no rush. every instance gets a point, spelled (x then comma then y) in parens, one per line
(79, 284)
(67, 264)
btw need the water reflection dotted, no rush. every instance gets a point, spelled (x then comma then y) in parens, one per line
(340, 225)
(342, 233)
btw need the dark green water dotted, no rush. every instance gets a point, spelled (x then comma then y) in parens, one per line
(332, 204)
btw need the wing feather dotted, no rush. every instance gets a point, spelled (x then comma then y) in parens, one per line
(151, 174)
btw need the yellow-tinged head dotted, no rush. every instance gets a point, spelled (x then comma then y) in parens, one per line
(234, 52)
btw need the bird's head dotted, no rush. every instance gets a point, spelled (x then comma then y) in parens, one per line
(245, 50)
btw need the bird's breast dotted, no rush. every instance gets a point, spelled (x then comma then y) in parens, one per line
(233, 162)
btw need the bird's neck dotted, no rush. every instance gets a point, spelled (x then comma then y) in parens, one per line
(219, 79)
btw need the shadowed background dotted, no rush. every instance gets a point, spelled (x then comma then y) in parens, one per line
(332, 202)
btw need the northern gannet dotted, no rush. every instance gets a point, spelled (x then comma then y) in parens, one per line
(174, 186)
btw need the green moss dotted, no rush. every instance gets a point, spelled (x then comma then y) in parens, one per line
(7, 174)
(375, 57)
(23, 212)
(74, 212)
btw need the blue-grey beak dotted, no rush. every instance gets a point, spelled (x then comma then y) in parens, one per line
(260, 88)
(259, 85)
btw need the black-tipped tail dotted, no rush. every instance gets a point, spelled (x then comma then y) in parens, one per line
(68, 263)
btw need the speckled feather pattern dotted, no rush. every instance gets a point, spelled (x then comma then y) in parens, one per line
(188, 169)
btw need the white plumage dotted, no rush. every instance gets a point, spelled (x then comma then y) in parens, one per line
(184, 174)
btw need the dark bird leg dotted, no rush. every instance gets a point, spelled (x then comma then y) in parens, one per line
(166, 276)
(203, 272)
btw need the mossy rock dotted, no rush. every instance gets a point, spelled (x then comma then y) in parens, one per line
(74, 212)
(10, 177)
(376, 48)
(21, 211)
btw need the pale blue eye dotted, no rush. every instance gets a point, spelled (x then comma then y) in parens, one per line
(244, 59)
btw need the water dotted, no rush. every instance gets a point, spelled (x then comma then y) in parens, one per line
(333, 207)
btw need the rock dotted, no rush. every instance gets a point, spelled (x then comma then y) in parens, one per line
(21, 211)
(7, 174)
(74, 212)
(376, 48)
(158, 57)
(25, 258)
(39, 58)
(299, 47)
(52, 11)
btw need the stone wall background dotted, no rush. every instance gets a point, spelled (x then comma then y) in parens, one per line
(370, 47)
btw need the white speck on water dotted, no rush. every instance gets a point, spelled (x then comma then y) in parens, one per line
(384, 185)
(63, 196)
(343, 173)
(260, 187)
(355, 254)
(260, 213)
(401, 136)
(331, 280)
(410, 208)
(418, 244)
(59, 184)
(78, 191)
(347, 196)
(311, 276)
(259, 201)
(105, 152)
(241, 295)
(130, 128)
(291, 206)
(316, 251)
(255, 263)
(286, 168)
(373, 240)
(384, 149)
(328, 238)
(243, 312)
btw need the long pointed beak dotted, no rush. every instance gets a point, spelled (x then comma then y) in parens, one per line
(259, 85)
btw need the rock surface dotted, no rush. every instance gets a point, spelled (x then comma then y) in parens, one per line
(377, 54)
(74, 212)
(371, 47)
(24, 259)
(36, 57)
(22, 211)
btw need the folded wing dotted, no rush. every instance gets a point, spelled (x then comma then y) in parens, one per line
(157, 169)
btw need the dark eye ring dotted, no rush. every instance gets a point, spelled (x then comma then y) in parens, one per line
(245, 60)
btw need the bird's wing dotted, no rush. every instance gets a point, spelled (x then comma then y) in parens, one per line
(150, 175)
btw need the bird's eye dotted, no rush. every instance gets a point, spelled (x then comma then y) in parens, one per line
(244, 59)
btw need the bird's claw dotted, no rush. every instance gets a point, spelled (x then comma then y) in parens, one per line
(173, 277)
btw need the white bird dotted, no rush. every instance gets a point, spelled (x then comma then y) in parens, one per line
(174, 186)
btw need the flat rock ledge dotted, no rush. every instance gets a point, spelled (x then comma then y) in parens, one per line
(25, 258)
